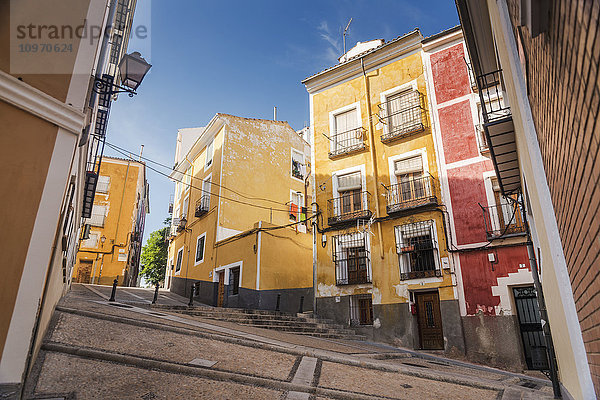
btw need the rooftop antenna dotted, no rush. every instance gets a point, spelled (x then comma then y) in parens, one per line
(345, 33)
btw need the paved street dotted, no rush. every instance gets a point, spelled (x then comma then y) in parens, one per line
(127, 350)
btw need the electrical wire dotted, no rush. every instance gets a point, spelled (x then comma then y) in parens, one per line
(121, 150)
(200, 189)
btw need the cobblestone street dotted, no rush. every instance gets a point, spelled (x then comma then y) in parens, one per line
(127, 350)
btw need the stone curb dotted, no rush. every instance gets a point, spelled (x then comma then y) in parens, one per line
(302, 351)
(166, 366)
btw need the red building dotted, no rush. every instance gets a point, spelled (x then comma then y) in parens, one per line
(498, 306)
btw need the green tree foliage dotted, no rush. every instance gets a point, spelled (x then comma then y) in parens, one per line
(154, 256)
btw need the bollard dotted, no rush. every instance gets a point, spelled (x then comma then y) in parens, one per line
(155, 295)
(114, 290)
(191, 303)
(278, 301)
(301, 304)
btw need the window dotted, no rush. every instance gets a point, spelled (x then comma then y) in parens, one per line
(179, 260)
(297, 211)
(403, 112)
(298, 169)
(409, 175)
(234, 280)
(351, 259)
(98, 216)
(417, 250)
(206, 188)
(200, 241)
(349, 189)
(103, 184)
(184, 210)
(506, 213)
(347, 132)
(361, 310)
(209, 154)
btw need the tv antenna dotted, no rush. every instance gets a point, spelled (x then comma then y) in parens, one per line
(345, 33)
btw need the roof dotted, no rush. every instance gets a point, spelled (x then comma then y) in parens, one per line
(385, 44)
(442, 33)
(132, 159)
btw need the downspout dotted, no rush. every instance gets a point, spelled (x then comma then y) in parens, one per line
(373, 156)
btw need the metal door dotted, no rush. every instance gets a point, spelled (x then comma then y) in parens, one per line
(430, 321)
(534, 344)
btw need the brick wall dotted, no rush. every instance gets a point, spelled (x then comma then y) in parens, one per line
(564, 93)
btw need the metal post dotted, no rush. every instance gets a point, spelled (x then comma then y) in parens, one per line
(191, 303)
(114, 289)
(155, 295)
(301, 304)
(542, 306)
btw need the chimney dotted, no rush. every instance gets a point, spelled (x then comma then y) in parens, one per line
(274, 113)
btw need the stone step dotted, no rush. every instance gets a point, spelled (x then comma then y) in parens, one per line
(306, 329)
(238, 317)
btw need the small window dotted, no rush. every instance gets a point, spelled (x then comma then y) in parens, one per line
(91, 242)
(361, 310)
(206, 189)
(209, 154)
(348, 134)
(234, 280)
(298, 168)
(351, 259)
(103, 184)
(410, 178)
(349, 189)
(200, 248)
(297, 209)
(179, 260)
(403, 113)
(184, 211)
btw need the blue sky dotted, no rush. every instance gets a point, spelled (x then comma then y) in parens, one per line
(243, 58)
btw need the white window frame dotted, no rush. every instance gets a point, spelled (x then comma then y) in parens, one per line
(227, 268)
(210, 148)
(332, 115)
(346, 171)
(383, 96)
(409, 154)
(301, 195)
(302, 164)
(344, 264)
(178, 272)
(196, 261)
(209, 180)
(185, 210)
(84, 243)
(105, 184)
(436, 257)
(103, 214)
(491, 199)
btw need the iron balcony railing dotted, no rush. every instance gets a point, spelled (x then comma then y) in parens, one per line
(402, 116)
(348, 207)
(427, 273)
(202, 206)
(494, 105)
(347, 142)
(503, 220)
(411, 193)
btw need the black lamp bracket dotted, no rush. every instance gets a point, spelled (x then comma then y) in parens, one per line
(105, 86)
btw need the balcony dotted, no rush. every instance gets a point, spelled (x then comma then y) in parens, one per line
(503, 220)
(348, 207)
(499, 131)
(411, 193)
(402, 116)
(347, 142)
(202, 206)
(429, 273)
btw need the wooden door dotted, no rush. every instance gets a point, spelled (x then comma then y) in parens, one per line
(365, 309)
(84, 272)
(430, 321)
(221, 291)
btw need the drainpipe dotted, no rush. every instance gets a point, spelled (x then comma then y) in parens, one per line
(542, 306)
(373, 157)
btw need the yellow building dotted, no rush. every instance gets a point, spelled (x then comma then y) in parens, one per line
(112, 237)
(239, 183)
(382, 258)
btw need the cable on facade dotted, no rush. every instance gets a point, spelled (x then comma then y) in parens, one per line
(200, 189)
(121, 150)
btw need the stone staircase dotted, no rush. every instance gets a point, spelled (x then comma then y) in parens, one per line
(299, 324)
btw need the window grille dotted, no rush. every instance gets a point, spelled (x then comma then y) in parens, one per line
(115, 50)
(234, 280)
(417, 250)
(361, 310)
(351, 259)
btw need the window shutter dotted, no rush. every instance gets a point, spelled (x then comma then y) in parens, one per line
(351, 181)
(409, 165)
(103, 184)
(345, 121)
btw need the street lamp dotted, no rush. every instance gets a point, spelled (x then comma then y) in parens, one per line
(132, 68)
